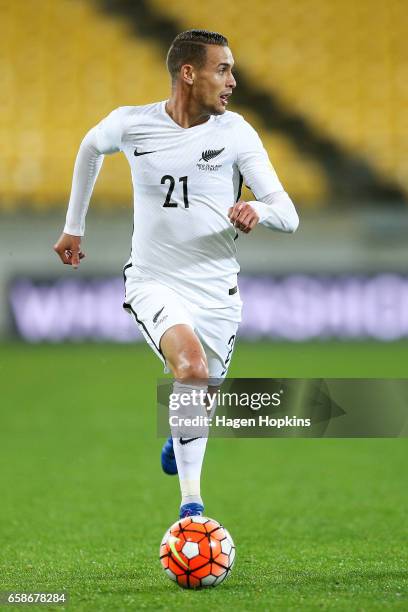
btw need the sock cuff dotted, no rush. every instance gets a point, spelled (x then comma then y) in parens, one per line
(190, 488)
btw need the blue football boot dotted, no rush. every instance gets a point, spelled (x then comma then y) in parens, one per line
(168, 459)
(191, 509)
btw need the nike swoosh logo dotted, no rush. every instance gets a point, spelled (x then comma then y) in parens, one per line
(157, 315)
(187, 440)
(137, 153)
(171, 541)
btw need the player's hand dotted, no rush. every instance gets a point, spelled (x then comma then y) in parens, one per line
(69, 249)
(243, 216)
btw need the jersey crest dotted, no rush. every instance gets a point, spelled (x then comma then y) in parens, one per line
(210, 154)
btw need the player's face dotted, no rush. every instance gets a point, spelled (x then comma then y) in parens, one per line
(214, 82)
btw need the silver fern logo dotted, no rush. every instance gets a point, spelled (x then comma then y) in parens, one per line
(210, 154)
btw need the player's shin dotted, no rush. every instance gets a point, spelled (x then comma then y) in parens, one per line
(189, 429)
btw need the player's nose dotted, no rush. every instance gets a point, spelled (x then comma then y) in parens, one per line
(231, 82)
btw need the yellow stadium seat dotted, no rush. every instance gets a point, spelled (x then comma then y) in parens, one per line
(340, 65)
(57, 79)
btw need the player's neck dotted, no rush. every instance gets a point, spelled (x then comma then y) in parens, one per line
(185, 112)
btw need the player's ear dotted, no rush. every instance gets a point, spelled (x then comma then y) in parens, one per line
(187, 74)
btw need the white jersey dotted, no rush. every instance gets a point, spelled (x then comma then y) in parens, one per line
(185, 180)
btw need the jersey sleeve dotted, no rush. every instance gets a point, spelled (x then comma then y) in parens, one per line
(108, 132)
(277, 212)
(104, 138)
(253, 162)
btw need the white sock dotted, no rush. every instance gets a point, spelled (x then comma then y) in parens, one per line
(189, 459)
(189, 442)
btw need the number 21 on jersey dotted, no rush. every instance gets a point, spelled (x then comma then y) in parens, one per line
(172, 182)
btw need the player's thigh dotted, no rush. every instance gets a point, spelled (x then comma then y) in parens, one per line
(167, 324)
(156, 308)
(184, 353)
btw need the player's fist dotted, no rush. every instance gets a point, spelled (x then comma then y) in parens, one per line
(69, 249)
(243, 216)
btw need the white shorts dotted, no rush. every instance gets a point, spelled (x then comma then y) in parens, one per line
(156, 307)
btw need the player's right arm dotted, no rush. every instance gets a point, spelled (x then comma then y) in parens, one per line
(104, 138)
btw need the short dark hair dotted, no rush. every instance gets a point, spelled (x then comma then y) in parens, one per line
(189, 47)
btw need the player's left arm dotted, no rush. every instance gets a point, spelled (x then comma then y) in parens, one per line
(276, 211)
(273, 206)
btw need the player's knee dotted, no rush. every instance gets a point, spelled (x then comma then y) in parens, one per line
(191, 370)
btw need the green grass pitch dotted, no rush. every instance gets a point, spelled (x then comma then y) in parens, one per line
(318, 524)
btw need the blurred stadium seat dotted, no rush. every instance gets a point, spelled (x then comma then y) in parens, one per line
(64, 66)
(66, 63)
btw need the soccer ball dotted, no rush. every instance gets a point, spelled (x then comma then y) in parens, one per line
(197, 552)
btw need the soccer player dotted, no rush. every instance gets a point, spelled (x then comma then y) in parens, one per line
(188, 157)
